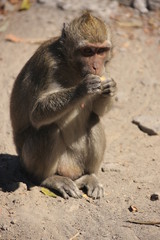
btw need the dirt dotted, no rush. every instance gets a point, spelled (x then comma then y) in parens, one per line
(130, 171)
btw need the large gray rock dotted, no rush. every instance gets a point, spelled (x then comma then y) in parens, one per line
(148, 124)
(142, 5)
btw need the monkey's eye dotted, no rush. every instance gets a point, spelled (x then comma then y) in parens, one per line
(102, 50)
(87, 52)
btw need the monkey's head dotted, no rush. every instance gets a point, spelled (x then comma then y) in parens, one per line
(87, 44)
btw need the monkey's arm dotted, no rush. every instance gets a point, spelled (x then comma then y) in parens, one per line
(103, 102)
(50, 107)
(102, 105)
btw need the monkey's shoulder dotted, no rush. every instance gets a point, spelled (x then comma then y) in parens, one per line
(42, 63)
(48, 48)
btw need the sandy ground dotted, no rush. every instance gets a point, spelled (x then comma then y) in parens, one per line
(131, 168)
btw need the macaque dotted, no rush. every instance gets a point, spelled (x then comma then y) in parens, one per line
(56, 104)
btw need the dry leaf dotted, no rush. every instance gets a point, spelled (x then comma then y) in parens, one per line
(133, 208)
(86, 197)
(25, 5)
(47, 192)
(135, 24)
(13, 38)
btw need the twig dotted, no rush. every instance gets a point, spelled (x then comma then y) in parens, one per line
(155, 223)
(15, 39)
(74, 237)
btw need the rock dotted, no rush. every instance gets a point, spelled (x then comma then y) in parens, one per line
(154, 4)
(46, 2)
(154, 197)
(112, 167)
(3, 227)
(148, 124)
(23, 186)
(140, 5)
(126, 2)
(12, 222)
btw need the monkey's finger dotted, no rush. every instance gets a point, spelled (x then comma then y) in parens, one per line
(94, 85)
(93, 76)
(76, 190)
(109, 91)
(95, 193)
(94, 81)
(109, 84)
(72, 192)
(63, 193)
(106, 92)
(100, 192)
(76, 194)
(111, 80)
(94, 90)
(90, 190)
(71, 188)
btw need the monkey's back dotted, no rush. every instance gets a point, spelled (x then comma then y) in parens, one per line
(26, 89)
(19, 107)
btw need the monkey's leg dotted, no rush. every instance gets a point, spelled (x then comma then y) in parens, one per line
(97, 143)
(41, 153)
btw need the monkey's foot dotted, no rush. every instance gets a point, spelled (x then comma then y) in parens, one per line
(65, 186)
(94, 188)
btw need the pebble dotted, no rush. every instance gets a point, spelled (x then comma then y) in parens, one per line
(154, 197)
(3, 227)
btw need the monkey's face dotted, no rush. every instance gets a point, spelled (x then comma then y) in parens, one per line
(92, 58)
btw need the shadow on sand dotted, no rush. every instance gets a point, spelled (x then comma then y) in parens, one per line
(11, 173)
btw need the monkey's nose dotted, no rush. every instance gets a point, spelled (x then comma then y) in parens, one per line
(95, 68)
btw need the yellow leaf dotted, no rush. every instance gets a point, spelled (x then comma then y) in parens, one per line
(86, 197)
(25, 5)
(47, 192)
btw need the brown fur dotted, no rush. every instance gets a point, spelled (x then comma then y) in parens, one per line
(55, 106)
(88, 28)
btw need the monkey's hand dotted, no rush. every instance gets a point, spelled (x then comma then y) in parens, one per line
(65, 186)
(108, 87)
(92, 84)
(90, 182)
